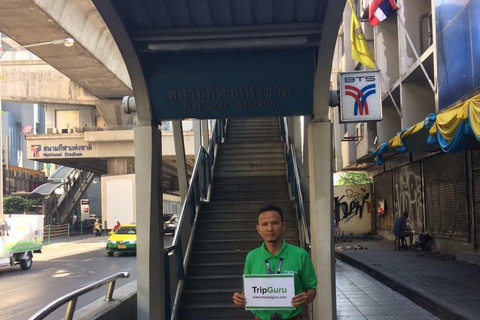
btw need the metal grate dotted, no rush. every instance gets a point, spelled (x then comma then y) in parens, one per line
(476, 194)
(408, 194)
(382, 186)
(446, 196)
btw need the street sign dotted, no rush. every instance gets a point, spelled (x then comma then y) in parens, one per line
(360, 96)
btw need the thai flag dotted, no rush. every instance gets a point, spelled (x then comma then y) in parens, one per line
(381, 10)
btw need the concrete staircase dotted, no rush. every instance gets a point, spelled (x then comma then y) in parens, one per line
(249, 173)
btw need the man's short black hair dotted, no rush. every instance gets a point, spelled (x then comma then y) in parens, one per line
(271, 207)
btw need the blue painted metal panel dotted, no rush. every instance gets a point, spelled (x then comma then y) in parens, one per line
(231, 85)
(457, 49)
(475, 19)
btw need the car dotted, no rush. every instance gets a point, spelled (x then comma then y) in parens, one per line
(123, 240)
(170, 225)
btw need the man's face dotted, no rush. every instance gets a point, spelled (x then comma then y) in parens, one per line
(270, 226)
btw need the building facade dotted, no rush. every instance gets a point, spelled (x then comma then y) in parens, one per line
(423, 155)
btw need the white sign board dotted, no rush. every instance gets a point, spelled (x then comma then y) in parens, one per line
(269, 291)
(360, 96)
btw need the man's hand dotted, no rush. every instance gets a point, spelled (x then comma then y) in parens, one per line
(239, 299)
(303, 298)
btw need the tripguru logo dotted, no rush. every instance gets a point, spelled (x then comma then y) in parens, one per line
(269, 290)
(360, 94)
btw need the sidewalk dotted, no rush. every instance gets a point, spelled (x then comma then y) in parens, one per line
(360, 297)
(447, 288)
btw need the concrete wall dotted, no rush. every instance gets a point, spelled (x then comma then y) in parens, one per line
(353, 208)
(123, 307)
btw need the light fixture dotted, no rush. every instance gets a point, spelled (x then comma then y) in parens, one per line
(229, 44)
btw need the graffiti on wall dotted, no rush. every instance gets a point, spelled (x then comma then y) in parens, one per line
(408, 195)
(353, 208)
(350, 204)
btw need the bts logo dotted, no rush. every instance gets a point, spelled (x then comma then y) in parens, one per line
(360, 96)
(35, 149)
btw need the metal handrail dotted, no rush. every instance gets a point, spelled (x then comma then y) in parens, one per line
(300, 202)
(295, 185)
(72, 297)
(202, 170)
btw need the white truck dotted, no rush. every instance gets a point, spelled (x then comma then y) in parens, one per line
(20, 236)
(118, 199)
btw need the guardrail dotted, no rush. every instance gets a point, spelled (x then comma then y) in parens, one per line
(177, 255)
(295, 186)
(72, 297)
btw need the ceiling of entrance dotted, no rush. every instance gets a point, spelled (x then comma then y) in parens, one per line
(168, 26)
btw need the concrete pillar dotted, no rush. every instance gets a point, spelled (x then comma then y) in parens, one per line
(321, 215)
(180, 157)
(197, 136)
(121, 165)
(205, 136)
(150, 259)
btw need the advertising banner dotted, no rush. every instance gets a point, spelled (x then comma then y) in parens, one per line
(269, 291)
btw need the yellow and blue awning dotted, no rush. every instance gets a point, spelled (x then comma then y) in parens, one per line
(450, 130)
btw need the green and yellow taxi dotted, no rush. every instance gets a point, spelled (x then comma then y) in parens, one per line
(123, 240)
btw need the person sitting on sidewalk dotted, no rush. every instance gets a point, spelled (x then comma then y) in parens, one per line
(400, 228)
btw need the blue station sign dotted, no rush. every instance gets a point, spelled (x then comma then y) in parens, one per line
(231, 85)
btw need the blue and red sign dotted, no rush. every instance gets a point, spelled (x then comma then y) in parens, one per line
(360, 96)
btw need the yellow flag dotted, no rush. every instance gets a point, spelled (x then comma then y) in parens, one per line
(360, 50)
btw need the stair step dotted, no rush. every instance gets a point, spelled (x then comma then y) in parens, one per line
(285, 205)
(248, 167)
(232, 234)
(240, 215)
(257, 156)
(237, 187)
(233, 244)
(219, 256)
(255, 148)
(250, 224)
(273, 173)
(214, 311)
(219, 268)
(251, 180)
(218, 281)
(264, 144)
(206, 296)
(232, 195)
(233, 161)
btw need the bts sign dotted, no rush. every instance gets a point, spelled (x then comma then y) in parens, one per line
(360, 96)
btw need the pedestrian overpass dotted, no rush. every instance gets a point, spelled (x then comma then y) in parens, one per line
(206, 60)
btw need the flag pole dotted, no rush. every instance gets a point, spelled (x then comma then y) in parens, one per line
(416, 54)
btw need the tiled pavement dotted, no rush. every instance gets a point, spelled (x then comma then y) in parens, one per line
(359, 296)
(447, 288)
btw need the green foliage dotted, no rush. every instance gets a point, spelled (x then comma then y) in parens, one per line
(16, 204)
(353, 178)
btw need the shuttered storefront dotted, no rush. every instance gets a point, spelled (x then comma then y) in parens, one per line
(445, 196)
(407, 181)
(476, 194)
(382, 185)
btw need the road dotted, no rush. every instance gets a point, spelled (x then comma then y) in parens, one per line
(61, 268)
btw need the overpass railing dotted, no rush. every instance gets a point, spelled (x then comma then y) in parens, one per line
(72, 297)
(177, 255)
(295, 186)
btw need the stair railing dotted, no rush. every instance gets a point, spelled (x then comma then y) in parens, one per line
(177, 255)
(295, 186)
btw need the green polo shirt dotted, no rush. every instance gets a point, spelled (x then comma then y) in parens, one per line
(295, 260)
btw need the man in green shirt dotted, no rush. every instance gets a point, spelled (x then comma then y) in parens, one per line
(277, 256)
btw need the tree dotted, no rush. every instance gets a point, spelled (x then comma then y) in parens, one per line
(353, 178)
(16, 204)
